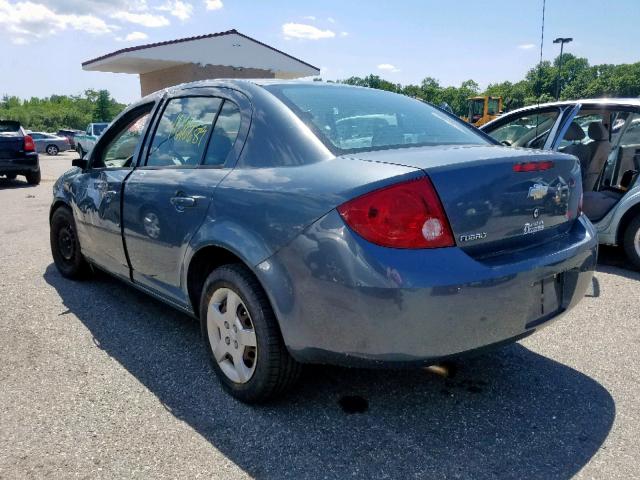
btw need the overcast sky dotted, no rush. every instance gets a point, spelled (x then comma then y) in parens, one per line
(43, 42)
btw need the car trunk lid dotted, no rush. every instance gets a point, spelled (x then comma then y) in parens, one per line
(497, 198)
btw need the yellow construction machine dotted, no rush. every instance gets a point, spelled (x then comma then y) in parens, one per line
(483, 109)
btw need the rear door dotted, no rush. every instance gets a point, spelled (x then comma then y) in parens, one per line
(167, 197)
(97, 193)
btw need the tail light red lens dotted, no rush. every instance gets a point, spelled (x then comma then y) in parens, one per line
(404, 215)
(29, 146)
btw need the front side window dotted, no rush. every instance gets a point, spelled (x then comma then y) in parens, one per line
(120, 150)
(527, 130)
(183, 130)
(493, 107)
(360, 119)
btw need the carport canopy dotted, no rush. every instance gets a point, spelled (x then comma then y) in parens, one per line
(229, 54)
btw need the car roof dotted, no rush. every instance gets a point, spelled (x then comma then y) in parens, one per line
(635, 102)
(243, 85)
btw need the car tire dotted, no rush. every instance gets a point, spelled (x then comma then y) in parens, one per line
(80, 151)
(65, 246)
(631, 242)
(52, 150)
(262, 372)
(33, 178)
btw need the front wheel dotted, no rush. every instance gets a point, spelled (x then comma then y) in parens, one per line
(631, 242)
(33, 178)
(242, 336)
(52, 150)
(65, 247)
(80, 151)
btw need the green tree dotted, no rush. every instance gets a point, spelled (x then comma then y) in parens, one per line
(102, 109)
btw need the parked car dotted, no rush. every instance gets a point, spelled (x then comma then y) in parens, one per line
(241, 204)
(86, 140)
(70, 135)
(18, 154)
(604, 134)
(49, 143)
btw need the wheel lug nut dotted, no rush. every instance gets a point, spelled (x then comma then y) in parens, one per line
(226, 324)
(235, 329)
(227, 340)
(235, 344)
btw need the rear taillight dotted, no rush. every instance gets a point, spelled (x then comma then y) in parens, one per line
(404, 215)
(29, 146)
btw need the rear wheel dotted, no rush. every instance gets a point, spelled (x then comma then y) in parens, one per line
(242, 336)
(52, 150)
(65, 247)
(33, 178)
(631, 241)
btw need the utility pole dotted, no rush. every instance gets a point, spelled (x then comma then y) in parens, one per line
(561, 41)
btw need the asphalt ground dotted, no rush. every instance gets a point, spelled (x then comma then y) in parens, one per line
(99, 381)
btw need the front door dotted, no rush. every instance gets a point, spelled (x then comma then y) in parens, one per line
(97, 193)
(166, 199)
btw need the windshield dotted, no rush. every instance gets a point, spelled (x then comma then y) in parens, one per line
(359, 119)
(98, 128)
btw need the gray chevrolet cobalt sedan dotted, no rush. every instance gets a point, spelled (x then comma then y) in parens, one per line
(314, 223)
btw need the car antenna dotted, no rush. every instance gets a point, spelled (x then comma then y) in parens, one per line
(544, 2)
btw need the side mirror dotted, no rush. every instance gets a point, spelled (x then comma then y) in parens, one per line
(81, 163)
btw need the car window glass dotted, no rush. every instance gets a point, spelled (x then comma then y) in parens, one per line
(361, 119)
(120, 150)
(36, 136)
(182, 132)
(527, 130)
(582, 120)
(623, 166)
(224, 134)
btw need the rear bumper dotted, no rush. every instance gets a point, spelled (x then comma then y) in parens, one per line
(342, 300)
(28, 163)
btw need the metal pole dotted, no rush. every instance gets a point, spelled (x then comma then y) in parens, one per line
(561, 41)
(559, 72)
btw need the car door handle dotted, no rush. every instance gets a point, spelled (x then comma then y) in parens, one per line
(180, 202)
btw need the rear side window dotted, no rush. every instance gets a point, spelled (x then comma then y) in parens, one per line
(181, 136)
(224, 134)
(9, 127)
(357, 119)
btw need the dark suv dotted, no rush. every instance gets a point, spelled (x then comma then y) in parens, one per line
(18, 153)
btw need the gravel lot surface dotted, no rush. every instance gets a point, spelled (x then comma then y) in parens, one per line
(100, 381)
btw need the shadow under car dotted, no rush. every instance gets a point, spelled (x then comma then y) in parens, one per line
(511, 413)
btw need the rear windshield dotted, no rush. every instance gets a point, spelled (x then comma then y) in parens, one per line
(357, 119)
(98, 128)
(9, 127)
